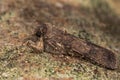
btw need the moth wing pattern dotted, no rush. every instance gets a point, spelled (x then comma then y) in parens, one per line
(59, 42)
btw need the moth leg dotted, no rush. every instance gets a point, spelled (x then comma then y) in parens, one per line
(36, 46)
(40, 45)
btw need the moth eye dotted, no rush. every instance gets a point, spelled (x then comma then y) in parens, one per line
(38, 34)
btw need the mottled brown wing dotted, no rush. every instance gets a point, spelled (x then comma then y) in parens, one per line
(102, 56)
(59, 42)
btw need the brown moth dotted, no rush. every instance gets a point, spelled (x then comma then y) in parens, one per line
(59, 42)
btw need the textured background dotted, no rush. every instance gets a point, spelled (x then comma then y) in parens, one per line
(94, 20)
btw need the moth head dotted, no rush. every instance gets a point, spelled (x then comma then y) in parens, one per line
(41, 30)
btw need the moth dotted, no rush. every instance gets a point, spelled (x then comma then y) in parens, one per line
(56, 41)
